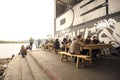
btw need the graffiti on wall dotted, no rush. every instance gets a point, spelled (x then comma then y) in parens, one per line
(108, 31)
(105, 30)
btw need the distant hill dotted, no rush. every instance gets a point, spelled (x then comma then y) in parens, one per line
(2, 42)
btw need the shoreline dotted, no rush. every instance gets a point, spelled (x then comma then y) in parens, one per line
(3, 65)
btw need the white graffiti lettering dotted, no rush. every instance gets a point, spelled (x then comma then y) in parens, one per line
(74, 16)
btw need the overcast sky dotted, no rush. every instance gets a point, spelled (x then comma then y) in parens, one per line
(22, 19)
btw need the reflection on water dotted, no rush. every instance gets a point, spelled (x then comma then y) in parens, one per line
(6, 50)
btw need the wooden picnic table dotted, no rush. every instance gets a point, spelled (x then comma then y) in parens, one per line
(90, 47)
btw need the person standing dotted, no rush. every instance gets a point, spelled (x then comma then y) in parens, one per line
(31, 40)
(39, 42)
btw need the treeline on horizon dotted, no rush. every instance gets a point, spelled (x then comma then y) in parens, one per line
(23, 41)
(2, 42)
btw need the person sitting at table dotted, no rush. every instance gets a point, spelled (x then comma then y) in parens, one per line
(88, 40)
(56, 45)
(75, 46)
(63, 43)
(68, 45)
(46, 44)
(95, 51)
(95, 40)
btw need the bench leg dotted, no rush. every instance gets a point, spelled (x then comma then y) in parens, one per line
(57, 50)
(61, 58)
(64, 57)
(78, 62)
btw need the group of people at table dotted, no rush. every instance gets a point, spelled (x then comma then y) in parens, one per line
(74, 47)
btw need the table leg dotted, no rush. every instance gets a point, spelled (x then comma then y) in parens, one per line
(90, 53)
(110, 53)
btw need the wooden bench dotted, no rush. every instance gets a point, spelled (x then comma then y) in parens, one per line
(44, 46)
(65, 55)
(48, 47)
(83, 57)
(57, 50)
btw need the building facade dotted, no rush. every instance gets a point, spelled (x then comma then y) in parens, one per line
(91, 17)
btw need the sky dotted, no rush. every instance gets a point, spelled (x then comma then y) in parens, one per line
(22, 19)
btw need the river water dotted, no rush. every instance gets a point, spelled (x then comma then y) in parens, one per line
(6, 50)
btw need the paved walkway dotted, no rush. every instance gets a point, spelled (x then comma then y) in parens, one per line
(45, 65)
